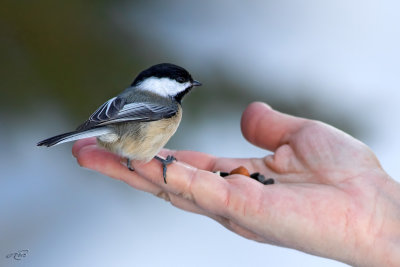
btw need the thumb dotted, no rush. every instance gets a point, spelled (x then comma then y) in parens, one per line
(267, 128)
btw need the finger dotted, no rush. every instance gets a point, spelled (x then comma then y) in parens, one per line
(185, 204)
(207, 190)
(81, 143)
(267, 128)
(95, 158)
(202, 188)
(197, 159)
(236, 228)
(189, 206)
(211, 163)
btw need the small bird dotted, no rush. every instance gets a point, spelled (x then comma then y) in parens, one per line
(137, 123)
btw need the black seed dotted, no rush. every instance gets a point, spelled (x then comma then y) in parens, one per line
(261, 178)
(255, 175)
(224, 174)
(269, 181)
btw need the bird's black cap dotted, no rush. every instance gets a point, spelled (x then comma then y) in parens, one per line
(164, 70)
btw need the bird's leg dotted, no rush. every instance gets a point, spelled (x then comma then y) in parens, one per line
(128, 163)
(165, 163)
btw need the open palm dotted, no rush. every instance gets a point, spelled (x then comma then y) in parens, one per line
(328, 199)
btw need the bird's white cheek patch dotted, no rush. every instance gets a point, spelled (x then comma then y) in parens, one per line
(163, 86)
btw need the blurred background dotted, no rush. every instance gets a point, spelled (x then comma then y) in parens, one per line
(335, 61)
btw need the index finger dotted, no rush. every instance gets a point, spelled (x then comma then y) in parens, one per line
(212, 163)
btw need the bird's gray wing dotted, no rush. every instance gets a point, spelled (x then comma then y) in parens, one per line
(117, 110)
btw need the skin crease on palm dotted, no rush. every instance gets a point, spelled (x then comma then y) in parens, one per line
(331, 198)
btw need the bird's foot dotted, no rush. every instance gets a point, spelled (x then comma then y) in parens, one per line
(128, 163)
(165, 163)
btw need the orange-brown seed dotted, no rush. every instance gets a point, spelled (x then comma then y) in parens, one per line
(240, 170)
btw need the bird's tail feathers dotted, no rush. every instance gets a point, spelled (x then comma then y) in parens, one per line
(72, 136)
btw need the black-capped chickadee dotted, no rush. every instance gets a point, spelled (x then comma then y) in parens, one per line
(137, 123)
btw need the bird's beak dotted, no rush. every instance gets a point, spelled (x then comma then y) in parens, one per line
(196, 83)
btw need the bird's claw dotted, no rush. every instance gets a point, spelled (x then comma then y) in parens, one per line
(128, 163)
(165, 162)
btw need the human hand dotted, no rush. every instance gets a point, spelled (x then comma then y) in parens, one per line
(331, 199)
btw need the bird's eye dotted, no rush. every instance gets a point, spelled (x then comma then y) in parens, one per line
(180, 80)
